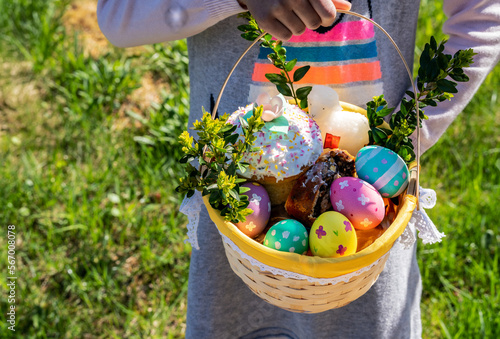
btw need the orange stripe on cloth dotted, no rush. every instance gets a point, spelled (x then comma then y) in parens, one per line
(326, 75)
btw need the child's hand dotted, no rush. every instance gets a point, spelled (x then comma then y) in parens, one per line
(284, 18)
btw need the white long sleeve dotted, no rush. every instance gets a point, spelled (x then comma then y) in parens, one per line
(128, 23)
(471, 24)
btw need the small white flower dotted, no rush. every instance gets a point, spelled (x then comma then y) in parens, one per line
(339, 205)
(304, 242)
(250, 226)
(255, 199)
(273, 232)
(296, 238)
(277, 245)
(366, 222)
(343, 184)
(363, 199)
(285, 234)
(292, 249)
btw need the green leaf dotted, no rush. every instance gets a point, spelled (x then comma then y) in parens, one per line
(447, 86)
(303, 92)
(212, 187)
(244, 189)
(243, 122)
(231, 139)
(233, 193)
(290, 65)
(382, 112)
(303, 103)
(433, 70)
(250, 36)
(187, 158)
(228, 128)
(245, 28)
(300, 73)
(214, 197)
(406, 153)
(285, 90)
(276, 79)
(434, 43)
(442, 61)
(459, 77)
(379, 135)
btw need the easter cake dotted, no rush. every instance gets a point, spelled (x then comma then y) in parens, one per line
(288, 144)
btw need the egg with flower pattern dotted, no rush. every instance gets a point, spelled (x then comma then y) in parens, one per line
(384, 169)
(261, 210)
(332, 235)
(288, 236)
(359, 201)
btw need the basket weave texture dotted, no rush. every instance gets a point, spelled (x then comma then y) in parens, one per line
(302, 296)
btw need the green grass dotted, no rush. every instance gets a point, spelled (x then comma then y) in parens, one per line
(89, 186)
(461, 274)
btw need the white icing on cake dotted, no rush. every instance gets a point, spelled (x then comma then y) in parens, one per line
(284, 151)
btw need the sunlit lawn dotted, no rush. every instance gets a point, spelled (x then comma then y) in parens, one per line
(87, 171)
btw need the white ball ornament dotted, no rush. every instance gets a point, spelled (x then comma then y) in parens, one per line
(351, 127)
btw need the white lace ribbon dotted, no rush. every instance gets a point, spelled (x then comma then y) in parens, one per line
(421, 222)
(191, 207)
(287, 274)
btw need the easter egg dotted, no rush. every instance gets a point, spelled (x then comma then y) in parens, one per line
(357, 200)
(288, 236)
(332, 236)
(261, 207)
(384, 169)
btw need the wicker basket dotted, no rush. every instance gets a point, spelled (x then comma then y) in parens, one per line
(317, 284)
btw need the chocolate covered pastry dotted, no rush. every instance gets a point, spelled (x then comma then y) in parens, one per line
(310, 196)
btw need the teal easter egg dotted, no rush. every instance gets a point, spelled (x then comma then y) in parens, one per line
(383, 169)
(288, 236)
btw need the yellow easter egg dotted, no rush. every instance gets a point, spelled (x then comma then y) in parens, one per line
(332, 235)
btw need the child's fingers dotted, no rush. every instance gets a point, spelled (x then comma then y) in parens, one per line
(309, 16)
(342, 5)
(277, 29)
(284, 18)
(294, 23)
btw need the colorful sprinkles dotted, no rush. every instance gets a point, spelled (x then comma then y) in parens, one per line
(283, 152)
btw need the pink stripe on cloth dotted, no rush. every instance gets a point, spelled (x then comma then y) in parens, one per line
(351, 30)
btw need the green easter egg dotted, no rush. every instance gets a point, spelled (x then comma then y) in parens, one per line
(288, 236)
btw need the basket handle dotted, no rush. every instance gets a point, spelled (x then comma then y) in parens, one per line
(413, 187)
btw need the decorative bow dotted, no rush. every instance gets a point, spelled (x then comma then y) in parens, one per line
(420, 221)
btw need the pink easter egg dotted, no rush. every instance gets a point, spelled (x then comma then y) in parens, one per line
(358, 201)
(261, 207)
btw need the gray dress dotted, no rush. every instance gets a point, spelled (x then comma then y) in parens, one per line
(220, 305)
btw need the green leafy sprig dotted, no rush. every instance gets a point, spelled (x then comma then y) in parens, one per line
(433, 86)
(219, 151)
(283, 81)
